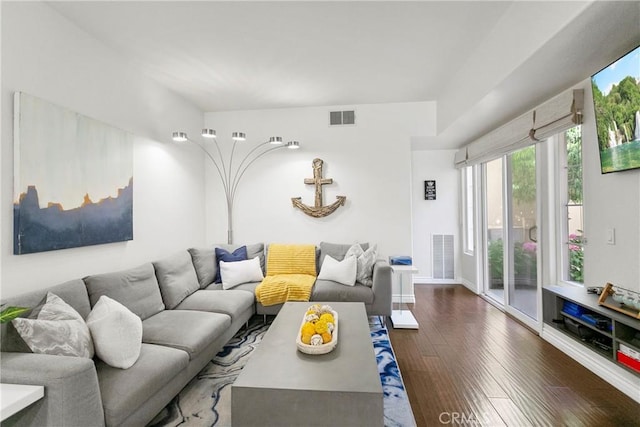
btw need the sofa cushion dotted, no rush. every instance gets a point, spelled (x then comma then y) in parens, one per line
(116, 333)
(217, 287)
(239, 272)
(253, 250)
(55, 328)
(204, 262)
(239, 254)
(327, 290)
(343, 272)
(249, 287)
(366, 259)
(186, 330)
(232, 302)
(337, 250)
(177, 278)
(73, 293)
(124, 391)
(136, 288)
(291, 259)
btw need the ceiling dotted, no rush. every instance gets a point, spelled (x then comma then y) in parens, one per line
(468, 56)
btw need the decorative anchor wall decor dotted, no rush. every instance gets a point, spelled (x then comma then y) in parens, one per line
(318, 211)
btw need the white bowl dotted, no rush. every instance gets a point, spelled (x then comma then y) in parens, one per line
(323, 348)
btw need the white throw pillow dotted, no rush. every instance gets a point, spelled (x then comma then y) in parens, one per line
(58, 329)
(343, 272)
(116, 332)
(366, 261)
(238, 272)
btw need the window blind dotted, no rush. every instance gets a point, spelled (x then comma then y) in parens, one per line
(554, 116)
(461, 158)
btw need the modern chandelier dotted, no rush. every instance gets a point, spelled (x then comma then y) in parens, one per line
(230, 171)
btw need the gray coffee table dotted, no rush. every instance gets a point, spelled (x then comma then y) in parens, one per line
(280, 386)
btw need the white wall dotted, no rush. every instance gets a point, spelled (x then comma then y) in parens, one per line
(370, 164)
(440, 216)
(45, 55)
(610, 201)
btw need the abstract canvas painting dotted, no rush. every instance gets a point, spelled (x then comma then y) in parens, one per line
(73, 179)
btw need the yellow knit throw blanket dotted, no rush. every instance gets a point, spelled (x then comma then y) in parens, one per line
(284, 287)
(291, 273)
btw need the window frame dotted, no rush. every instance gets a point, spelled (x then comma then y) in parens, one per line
(468, 210)
(563, 260)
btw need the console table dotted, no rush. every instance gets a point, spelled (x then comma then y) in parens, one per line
(606, 338)
(403, 319)
(15, 397)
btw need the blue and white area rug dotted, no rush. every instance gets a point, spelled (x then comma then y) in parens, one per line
(206, 400)
(397, 409)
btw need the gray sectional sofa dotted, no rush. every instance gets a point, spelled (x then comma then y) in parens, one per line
(376, 298)
(186, 320)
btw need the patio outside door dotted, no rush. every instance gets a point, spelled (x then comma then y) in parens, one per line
(494, 231)
(522, 253)
(511, 234)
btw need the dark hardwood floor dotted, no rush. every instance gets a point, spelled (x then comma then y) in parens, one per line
(470, 364)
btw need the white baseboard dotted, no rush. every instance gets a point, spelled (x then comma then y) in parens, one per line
(423, 280)
(407, 299)
(471, 286)
(618, 377)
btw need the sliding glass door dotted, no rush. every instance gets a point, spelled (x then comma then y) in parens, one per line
(494, 230)
(522, 232)
(510, 200)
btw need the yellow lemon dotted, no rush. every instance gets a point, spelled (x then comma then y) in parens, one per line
(308, 328)
(306, 338)
(327, 317)
(326, 337)
(321, 326)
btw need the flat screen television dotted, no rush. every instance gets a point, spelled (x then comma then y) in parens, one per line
(616, 99)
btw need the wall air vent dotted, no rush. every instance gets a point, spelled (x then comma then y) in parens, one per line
(341, 118)
(442, 250)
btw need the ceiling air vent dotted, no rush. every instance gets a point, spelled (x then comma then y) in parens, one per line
(339, 118)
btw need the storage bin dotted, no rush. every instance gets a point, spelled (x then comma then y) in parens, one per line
(628, 351)
(577, 329)
(597, 321)
(573, 309)
(629, 361)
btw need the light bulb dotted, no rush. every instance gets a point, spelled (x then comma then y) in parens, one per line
(208, 133)
(238, 136)
(179, 136)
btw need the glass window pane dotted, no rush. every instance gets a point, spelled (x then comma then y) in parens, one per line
(495, 224)
(574, 259)
(469, 210)
(523, 231)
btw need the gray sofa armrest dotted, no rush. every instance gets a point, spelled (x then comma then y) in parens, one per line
(71, 391)
(382, 289)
